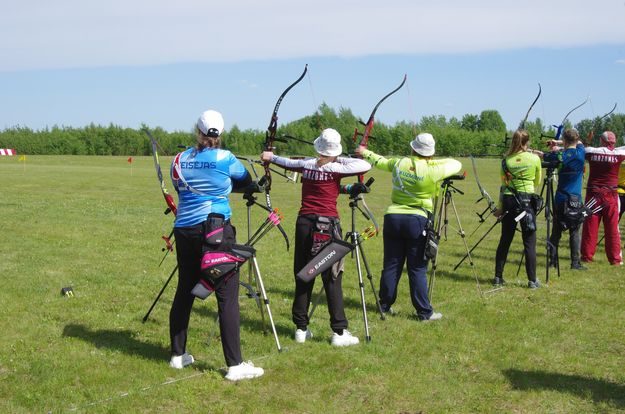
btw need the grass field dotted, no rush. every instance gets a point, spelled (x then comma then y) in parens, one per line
(94, 224)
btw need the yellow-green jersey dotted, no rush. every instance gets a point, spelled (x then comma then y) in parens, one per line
(522, 172)
(415, 180)
(621, 179)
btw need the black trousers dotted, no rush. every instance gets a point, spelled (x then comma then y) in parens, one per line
(556, 235)
(304, 228)
(508, 228)
(189, 254)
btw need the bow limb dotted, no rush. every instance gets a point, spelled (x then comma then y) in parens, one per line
(566, 117)
(277, 224)
(491, 203)
(608, 113)
(527, 114)
(370, 214)
(572, 110)
(364, 141)
(591, 133)
(270, 137)
(169, 200)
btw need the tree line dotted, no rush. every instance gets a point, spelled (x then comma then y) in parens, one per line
(479, 135)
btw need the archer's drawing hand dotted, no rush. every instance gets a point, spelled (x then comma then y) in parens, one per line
(554, 145)
(359, 150)
(266, 156)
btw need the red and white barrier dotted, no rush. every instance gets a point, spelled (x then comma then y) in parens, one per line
(6, 151)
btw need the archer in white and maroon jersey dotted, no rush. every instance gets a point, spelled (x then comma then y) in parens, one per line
(604, 163)
(321, 183)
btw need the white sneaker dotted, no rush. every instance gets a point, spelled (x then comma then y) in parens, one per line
(181, 361)
(301, 336)
(436, 316)
(245, 370)
(346, 339)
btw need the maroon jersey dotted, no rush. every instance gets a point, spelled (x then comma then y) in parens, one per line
(604, 167)
(321, 185)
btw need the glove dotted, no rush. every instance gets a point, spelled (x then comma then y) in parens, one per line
(253, 187)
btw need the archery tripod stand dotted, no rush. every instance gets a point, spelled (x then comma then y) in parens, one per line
(442, 223)
(551, 250)
(356, 239)
(254, 270)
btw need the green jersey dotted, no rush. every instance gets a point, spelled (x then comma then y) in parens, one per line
(523, 173)
(415, 180)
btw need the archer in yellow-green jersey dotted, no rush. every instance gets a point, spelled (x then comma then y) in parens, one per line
(415, 183)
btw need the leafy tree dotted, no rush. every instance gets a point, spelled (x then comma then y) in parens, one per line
(470, 122)
(483, 135)
(490, 120)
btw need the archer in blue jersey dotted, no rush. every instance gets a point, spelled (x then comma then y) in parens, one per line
(570, 173)
(204, 177)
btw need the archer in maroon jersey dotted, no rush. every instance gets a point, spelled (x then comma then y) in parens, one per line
(604, 163)
(321, 184)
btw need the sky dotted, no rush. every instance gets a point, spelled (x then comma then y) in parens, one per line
(161, 63)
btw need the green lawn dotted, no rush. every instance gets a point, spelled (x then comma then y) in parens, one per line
(94, 224)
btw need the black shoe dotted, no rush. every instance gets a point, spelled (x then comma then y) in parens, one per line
(533, 285)
(578, 266)
(498, 281)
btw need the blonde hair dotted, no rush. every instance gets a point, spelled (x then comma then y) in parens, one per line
(204, 141)
(519, 139)
(570, 136)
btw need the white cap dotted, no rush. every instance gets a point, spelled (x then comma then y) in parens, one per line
(328, 143)
(608, 137)
(423, 144)
(211, 123)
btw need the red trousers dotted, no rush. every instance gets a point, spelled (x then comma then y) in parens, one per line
(609, 214)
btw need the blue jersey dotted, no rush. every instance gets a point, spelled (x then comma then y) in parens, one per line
(570, 171)
(203, 180)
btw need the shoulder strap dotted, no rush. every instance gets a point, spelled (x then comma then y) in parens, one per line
(177, 176)
(398, 184)
(504, 167)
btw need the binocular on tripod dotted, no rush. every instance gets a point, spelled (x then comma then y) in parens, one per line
(550, 165)
(451, 178)
(354, 190)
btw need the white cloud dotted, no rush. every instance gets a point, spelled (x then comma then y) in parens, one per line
(620, 61)
(74, 33)
(247, 84)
